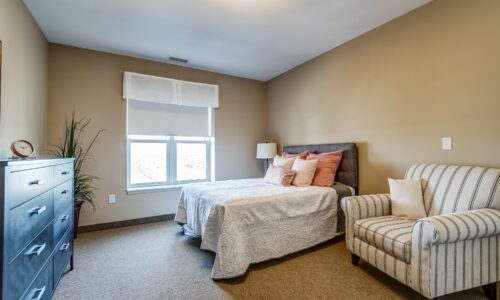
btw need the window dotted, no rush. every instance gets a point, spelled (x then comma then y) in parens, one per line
(156, 161)
(170, 136)
(148, 162)
(191, 161)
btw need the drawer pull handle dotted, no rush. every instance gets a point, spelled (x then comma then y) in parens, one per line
(64, 192)
(65, 173)
(38, 182)
(38, 210)
(36, 250)
(65, 247)
(38, 293)
(64, 218)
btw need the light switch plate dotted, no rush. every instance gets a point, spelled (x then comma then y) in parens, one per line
(447, 143)
(112, 198)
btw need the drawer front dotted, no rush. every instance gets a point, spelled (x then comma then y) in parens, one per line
(63, 209)
(26, 221)
(63, 173)
(62, 255)
(23, 269)
(41, 288)
(27, 184)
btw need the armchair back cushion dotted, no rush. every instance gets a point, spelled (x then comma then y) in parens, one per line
(453, 188)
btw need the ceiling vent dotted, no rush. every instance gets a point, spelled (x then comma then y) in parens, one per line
(178, 60)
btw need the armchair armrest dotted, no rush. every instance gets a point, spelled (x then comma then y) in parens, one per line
(362, 207)
(366, 206)
(430, 239)
(465, 225)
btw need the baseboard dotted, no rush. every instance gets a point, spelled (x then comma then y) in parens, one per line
(125, 223)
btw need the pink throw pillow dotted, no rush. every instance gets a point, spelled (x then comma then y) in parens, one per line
(302, 155)
(305, 170)
(283, 162)
(328, 163)
(279, 176)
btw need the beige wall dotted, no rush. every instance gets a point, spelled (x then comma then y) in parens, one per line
(24, 77)
(398, 89)
(90, 83)
(395, 91)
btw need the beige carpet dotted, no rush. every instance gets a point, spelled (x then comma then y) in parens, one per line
(157, 261)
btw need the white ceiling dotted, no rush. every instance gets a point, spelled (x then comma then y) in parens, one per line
(257, 39)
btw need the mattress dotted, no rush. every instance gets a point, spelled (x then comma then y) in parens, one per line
(248, 221)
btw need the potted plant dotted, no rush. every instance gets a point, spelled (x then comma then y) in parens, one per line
(73, 146)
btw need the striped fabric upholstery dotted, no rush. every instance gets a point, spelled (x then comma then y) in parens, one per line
(362, 207)
(467, 225)
(442, 268)
(451, 188)
(386, 263)
(456, 247)
(389, 234)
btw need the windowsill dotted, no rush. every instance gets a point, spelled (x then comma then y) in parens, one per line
(153, 189)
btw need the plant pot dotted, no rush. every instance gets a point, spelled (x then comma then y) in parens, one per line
(76, 219)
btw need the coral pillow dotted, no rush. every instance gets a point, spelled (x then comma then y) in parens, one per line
(328, 163)
(285, 163)
(304, 171)
(279, 176)
(302, 155)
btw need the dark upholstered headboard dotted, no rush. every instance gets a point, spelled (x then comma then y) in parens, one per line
(348, 169)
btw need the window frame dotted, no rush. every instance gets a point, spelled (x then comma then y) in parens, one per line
(131, 185)
(171, 158)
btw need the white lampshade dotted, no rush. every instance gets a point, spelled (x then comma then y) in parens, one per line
(266, 150)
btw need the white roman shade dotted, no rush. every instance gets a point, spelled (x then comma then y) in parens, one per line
(149, 88)
(159, 106)
(150, 118)
(197, 94)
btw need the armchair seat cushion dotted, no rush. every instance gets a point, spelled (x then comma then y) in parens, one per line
(389, 234)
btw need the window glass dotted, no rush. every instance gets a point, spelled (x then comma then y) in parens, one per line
(191, 161)
(148, 162)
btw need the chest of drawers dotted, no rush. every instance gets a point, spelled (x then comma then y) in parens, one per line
(36, 236)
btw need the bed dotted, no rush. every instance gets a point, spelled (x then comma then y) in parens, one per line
(248, 221)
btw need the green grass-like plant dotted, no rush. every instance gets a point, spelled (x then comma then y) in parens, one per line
(72, 146)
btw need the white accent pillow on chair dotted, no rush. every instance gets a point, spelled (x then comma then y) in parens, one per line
(406, 198)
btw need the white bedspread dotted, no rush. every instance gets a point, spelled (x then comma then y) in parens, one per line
(249, 221)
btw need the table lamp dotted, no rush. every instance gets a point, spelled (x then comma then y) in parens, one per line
(266, 151)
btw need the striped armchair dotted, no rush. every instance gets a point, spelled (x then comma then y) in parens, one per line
(456, 247)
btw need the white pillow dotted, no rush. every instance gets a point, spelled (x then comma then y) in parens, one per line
(283, 162)
(305, 170)
(406, 198)
(279, 176)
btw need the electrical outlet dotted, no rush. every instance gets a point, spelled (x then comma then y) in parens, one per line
(447, 143)
(112, 198)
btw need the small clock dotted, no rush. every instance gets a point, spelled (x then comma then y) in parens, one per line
(22, 149)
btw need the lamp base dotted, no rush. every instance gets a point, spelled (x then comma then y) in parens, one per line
(266, 165)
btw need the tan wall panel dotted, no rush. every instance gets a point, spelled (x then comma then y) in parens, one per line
(398, 89)
(90, 83)
(24, 77)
